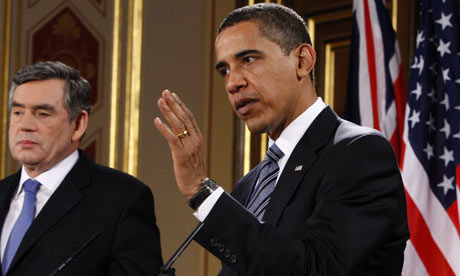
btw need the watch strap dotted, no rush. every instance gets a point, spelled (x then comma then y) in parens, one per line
(208, 186)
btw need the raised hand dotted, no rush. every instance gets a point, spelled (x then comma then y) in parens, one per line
(185, 141)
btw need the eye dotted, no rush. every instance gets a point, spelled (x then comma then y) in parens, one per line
(43, 114)
(224, 72)
(16, 112)
(249, 59)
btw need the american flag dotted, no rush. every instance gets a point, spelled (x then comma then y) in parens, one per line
(431, 144)
(376, 93)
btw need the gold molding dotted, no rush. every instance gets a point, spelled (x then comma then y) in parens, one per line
(252, 2)
(115, 86)
(394, 15)
(247, 150)
(329, 75)
(312, 21)
(133, 87)
(311, 30)
(263, 145)
(4, 84)
(333, 16)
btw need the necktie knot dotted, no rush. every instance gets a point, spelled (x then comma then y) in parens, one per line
(31, 186)
(274, 153)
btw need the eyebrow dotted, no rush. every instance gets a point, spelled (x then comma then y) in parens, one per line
(35, 107)
(238, 55)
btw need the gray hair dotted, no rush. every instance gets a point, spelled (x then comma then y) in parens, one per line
(77, 89)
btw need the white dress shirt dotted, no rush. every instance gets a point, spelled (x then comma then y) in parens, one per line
(286, 142)
(49, 180)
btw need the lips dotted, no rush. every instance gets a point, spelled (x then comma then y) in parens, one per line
(244, 106)
(27, 143)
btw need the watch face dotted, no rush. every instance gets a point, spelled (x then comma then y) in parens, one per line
(210, 183)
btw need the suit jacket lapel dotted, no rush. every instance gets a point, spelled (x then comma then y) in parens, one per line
(63, 200)
(305, 154)
(7, 188)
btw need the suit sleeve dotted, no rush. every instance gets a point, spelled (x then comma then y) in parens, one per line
(360, 197)
(136, 246)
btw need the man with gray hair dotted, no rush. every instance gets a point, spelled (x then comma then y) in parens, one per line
(62, 213)
(327, 199)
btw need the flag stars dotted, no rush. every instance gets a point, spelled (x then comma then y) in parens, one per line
(457, 135)
(444, 20)
(431, 94)
(446, 128)
(417, 91)
(446, 184)
(445, 102)
(420, 38)
(429, 151)
(418, 64)
(447, 156)
(443, 48)
(415, 118)
(445, 75)
(430, 123)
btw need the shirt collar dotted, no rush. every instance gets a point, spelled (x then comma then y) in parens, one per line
(294, 131)
(52, 178)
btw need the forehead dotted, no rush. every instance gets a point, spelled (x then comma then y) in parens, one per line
(40, 91)
(239, 37)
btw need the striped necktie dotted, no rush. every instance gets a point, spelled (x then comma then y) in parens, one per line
(265, 182)
(22, 223)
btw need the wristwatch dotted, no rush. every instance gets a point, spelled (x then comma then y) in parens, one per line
(207, 187)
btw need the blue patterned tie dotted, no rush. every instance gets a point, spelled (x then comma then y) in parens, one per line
(22, 223)
(265, 182)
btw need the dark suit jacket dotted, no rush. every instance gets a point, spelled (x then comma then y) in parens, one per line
(343, 213)
(91, 199)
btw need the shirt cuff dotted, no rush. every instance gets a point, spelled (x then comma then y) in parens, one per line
(208, 204)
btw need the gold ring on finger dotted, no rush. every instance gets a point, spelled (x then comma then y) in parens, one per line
(182, 134)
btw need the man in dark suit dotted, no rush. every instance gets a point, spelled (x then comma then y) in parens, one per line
(327, 200)
(61, 213)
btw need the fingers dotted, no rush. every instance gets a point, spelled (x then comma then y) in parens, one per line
(190, 122)
(166, 131)
(176, 124)
(186, 149)
(179, 117)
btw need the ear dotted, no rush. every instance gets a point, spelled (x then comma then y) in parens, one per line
(306, 58)
(81, 122)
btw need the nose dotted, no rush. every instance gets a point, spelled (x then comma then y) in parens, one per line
(27, 122)
(235, 81)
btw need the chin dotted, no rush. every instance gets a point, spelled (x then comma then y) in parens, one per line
(255, 128)
(27, 159)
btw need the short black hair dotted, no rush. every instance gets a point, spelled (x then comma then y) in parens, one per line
(77, 89)
(277, 23)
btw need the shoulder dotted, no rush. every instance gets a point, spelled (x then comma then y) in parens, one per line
(113, 181)
(348, 133)
(100, 172)
(9, 178)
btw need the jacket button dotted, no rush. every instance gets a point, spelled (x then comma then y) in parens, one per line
(213, 242)
(227, 253)
(220, 247)
(233, 259)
